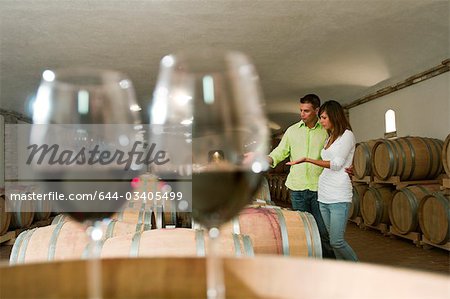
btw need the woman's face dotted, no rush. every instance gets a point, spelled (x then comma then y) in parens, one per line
(325, 121)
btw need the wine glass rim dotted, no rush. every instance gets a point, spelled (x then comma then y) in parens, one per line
(63, 76)
(199, 58)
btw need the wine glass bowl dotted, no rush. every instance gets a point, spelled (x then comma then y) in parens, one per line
(88, 114)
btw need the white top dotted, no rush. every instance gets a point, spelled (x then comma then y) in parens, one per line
(334, 183)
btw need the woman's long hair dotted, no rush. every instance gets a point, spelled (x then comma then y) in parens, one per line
(337, 118)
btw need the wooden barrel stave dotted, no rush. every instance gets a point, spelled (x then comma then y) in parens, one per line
(446, 155)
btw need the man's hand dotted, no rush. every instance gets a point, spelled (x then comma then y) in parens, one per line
(248, 158)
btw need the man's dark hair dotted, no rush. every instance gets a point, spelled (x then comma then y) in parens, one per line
(311, 99)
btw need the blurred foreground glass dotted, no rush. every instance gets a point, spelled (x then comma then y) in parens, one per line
(86, 113)
(212, 101)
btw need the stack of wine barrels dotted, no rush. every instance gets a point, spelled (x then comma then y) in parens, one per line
(387, 161)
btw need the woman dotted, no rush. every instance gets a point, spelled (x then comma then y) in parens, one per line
(335, 188)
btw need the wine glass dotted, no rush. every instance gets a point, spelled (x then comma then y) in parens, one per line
(85, 118)
(206, 109)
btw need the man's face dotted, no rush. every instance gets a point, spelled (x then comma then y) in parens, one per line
(307, 113)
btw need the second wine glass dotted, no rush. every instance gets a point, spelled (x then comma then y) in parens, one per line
(83, 118)
(209, 101)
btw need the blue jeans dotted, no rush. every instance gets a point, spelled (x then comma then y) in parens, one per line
(335, 217)
(306, 201)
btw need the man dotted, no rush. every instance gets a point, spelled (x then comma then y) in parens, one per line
(305, 139)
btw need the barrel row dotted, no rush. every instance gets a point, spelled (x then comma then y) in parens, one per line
(68, 241)
(417, 208)
(172, 218)
(263, 230)
(409, 158)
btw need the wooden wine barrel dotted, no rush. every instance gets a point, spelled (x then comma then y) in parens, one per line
(403, 211)
(434, 217)
(165, 214)
(278, 231)
(65, 240)
(263, 193)
(410, 158)
(5, 218)
(179, 242)
(362, 159)
(23, 214)
(375, 205)
(358, 193)
(256, 278)
(446, 155)
(137, 215)
(43, 210)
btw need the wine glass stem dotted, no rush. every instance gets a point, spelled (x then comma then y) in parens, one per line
(94, 271)
(214, 268)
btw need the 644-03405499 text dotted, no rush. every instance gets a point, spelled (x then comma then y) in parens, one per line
(130, 196)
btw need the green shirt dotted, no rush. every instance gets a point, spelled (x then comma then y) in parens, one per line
(301, 141)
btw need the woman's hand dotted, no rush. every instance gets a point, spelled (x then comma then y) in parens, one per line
(349, 171)
(301, 160)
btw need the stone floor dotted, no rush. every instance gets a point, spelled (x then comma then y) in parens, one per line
(372, 247)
